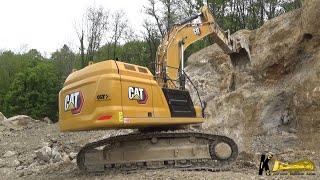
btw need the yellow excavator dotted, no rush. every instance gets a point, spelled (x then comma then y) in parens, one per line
(118, 95)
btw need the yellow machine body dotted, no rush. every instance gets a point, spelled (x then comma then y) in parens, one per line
(114, 95)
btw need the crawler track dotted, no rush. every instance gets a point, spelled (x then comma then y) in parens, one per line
(156, 150)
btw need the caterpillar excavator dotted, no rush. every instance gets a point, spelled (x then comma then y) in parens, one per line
(118, 95)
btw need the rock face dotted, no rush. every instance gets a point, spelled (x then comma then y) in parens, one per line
(269, 102)
(310, 18)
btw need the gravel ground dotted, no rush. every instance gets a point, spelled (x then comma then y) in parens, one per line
(23, 163)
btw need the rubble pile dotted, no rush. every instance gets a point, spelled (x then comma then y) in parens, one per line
(32, 147)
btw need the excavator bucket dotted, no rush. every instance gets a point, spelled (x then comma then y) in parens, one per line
(237, 46)
(241, 54)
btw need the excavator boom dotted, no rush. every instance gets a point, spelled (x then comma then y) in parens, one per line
(170, 61)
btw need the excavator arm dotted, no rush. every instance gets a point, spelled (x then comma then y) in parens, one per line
(170, 54)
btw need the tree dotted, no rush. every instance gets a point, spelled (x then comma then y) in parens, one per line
(289, 5)
(119, 27)
(165, 13)
(65, 61)
(153, 12)
(93, 29)
(152, 37)
(11, 64)
(189, 7)
(96, 28)
(81, 48)
(34, 92)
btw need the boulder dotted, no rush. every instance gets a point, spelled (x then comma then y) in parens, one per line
(73, 155)
(44, 154)
(2, 118)
(17, 122)
(66, 158)
(2, 163)
(21, 167)
(47, 120)
(9, 154)
(56, 156)
(13, 163)
(50, 155)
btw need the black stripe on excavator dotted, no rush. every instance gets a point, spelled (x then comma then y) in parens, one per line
(117, 66)
(179, 102)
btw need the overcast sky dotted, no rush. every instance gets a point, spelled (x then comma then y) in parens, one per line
(48, 24)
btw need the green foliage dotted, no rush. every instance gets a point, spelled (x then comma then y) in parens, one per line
(134, 52)
(291, 5)
(11, 64)
(249, 14)
(34, 92)
(29, 85)
(65, 61)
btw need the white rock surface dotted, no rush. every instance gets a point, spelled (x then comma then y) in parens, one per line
(2, 163)
(9, 154)
(73, 155)
(17, 122)
(56, 156)
(44, 154)
(47, 120)
(2, 118)
(13, 163)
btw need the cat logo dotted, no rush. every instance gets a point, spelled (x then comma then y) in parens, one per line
(138, 94)
(73, 102)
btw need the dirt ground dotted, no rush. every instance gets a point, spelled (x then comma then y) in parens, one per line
(26, 141)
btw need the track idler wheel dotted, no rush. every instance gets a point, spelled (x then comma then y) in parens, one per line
(223, 150)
